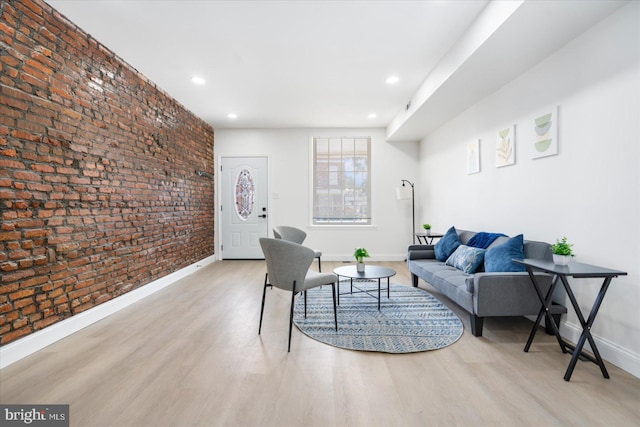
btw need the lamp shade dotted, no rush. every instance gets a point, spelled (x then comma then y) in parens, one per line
(403, 193)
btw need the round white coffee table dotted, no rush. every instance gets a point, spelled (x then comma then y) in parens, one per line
(371, 272)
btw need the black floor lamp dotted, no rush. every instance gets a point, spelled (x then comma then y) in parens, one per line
(402, 194)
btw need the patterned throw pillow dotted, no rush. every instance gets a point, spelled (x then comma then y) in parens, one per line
(447, 245)
(466, 258)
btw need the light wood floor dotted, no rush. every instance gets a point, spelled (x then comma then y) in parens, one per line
(191, 355)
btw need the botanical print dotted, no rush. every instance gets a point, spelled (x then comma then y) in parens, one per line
(545, 126)
(505, 147)
(473, 157)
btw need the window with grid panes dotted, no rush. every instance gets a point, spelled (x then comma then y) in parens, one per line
(341, 181)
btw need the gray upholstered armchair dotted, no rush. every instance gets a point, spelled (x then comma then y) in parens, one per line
(295, 235)
(288, 269)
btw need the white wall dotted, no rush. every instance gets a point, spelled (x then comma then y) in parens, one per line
(589, 192)
(289, 178)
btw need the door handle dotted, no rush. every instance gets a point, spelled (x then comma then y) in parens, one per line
(262, 216)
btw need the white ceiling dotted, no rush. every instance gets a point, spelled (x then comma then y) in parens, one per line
(315, 63)
(280, 63)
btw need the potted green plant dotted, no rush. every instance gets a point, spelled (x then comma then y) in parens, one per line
(562, 251)
(360, 254)
(427, 228)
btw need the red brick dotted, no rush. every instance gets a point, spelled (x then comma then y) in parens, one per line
(21, 294)
(11, 164)
(9, 152)
(8, 266)
(29, 234)
(43, 168)
(39, 187)
(4, 28)
(66, 171)
(31, 309)
(91, 173)
(7, 194)
(26, 176)
(32, 80)
(14, 103)
(10, 235)
(45, 213)
(62, 247)
(55, 240)
(21, 321)
(18, 275)
(29, 223)
(34, 281)
(46, 322)
(26, 135)
(13, 335)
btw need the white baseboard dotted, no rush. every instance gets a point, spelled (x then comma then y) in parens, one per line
(609, 351)
(23, 347)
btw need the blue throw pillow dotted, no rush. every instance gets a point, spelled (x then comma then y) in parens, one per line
(447, 245)
(466, 258)
(499, 258)
(483, 239)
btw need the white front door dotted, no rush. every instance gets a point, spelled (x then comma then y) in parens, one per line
(243, 206)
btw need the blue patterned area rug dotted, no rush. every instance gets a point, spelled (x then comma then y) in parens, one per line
(411, 320)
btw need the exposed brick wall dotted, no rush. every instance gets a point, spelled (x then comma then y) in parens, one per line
(98, 190)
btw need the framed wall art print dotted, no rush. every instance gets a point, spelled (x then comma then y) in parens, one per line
(544, 133)
(506, 147)
(473, 157)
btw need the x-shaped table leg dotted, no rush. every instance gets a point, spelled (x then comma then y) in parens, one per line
(544, 311)
(586, 329)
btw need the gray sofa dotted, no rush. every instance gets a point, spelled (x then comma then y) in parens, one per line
(484, 294)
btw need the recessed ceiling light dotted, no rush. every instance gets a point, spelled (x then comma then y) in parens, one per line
(232, 115)
(391, 80)
(198, 80)
(372, 116)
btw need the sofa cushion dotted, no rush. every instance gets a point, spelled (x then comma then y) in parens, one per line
(465, 235)
(466, 258)
(499, 258)
(452, 283)
(538, 250)
(447, 245)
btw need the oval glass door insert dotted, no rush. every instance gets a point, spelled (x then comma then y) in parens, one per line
(245, 194)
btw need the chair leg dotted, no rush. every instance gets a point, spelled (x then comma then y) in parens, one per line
(293, 294)
(319, 265)
(264, 293)
(305, 304)
(335, 311)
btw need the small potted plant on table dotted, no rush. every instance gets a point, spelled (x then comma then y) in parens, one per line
(562, 251)
(427, 229)
(360, 254)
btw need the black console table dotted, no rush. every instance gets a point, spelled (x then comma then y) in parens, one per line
(561, 272)
(428, 237)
